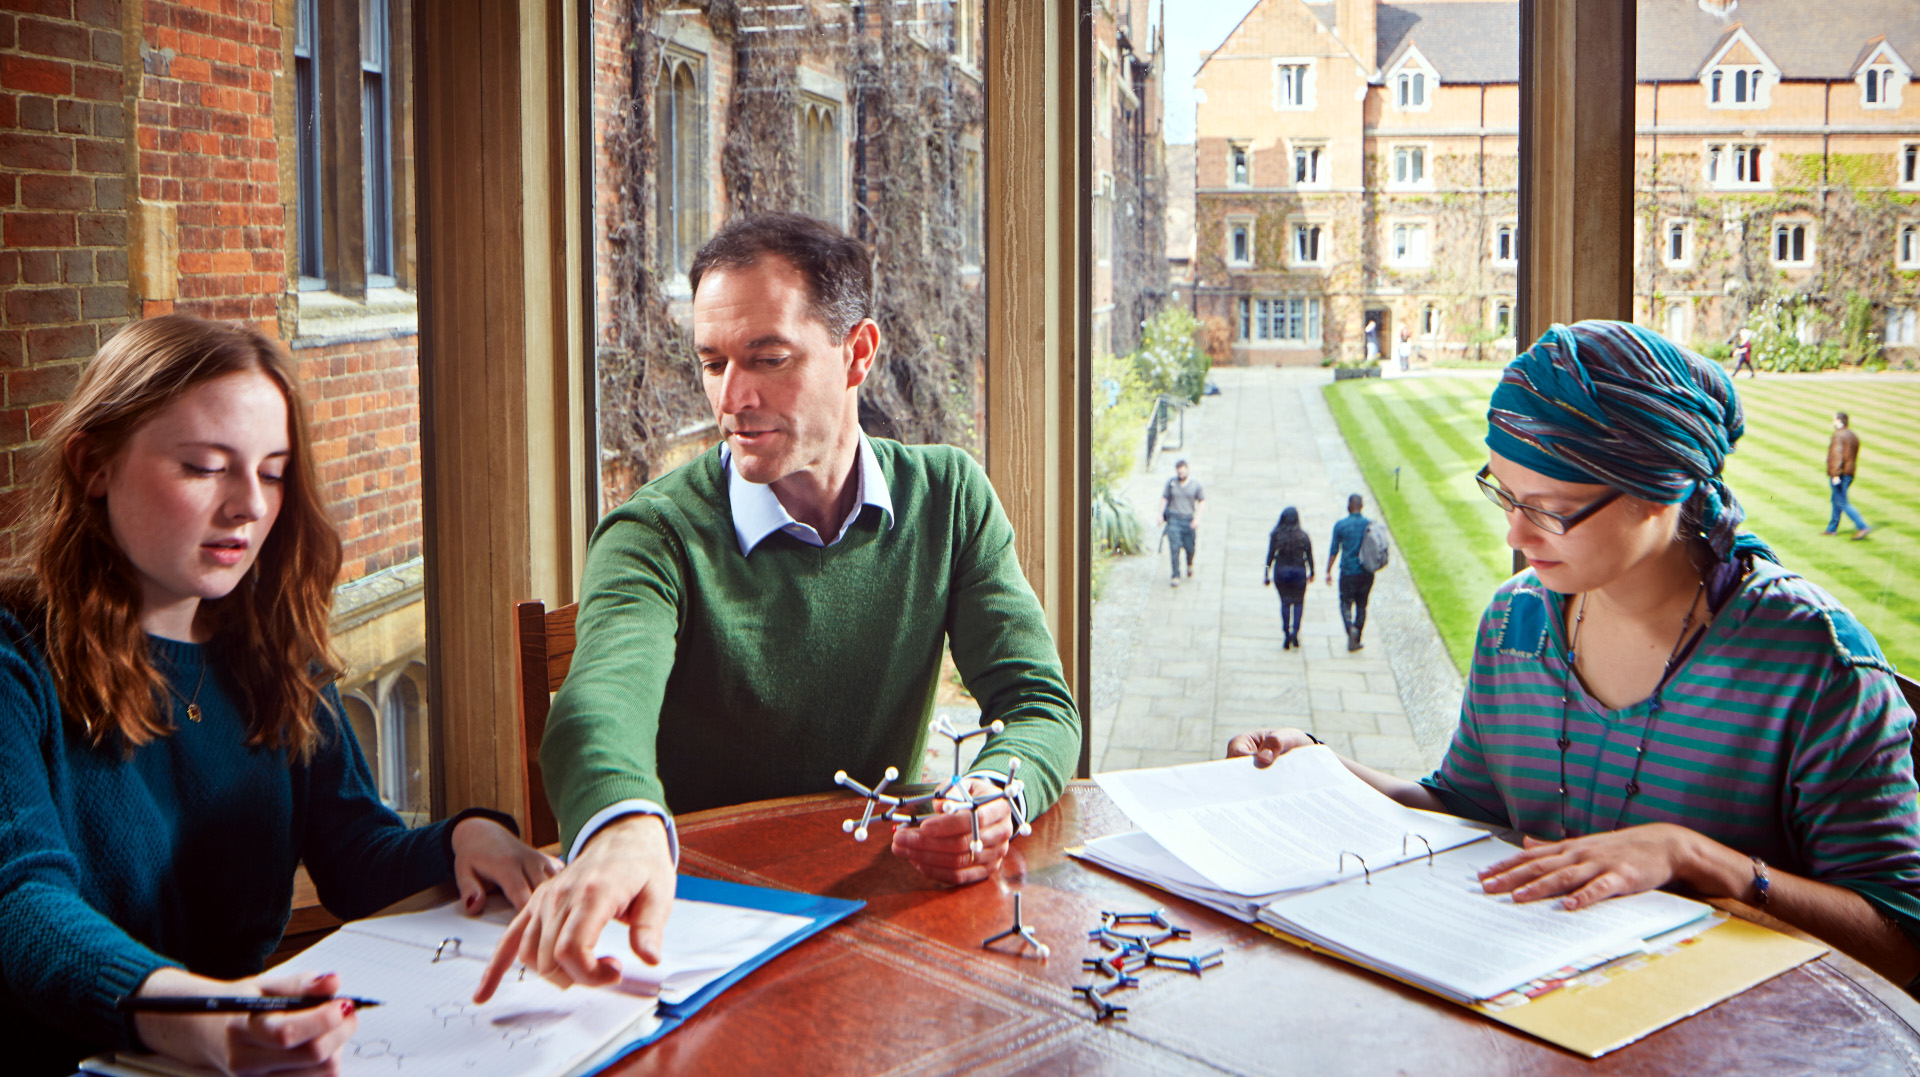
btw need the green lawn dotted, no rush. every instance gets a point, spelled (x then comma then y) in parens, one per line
(1430, 429)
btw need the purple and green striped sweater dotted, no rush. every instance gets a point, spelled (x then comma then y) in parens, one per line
(1782, 735)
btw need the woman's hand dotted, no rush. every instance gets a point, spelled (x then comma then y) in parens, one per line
(1582, 871)
(486, 856)
(1266, 581)
(297, 1043)
(1267, 745)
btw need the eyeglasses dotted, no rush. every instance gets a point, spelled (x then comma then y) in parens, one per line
(1553, 523)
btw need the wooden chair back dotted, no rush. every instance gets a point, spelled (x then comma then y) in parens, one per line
(544, 642)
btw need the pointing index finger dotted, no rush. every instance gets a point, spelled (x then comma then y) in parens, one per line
(503, 955)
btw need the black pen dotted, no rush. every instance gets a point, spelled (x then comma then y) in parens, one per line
(249, 1004)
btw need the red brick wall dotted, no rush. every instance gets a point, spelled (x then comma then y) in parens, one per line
(207, 142)
(63, 203)
(365, 400)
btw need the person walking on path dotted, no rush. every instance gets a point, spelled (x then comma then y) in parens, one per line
(1373, 341)
(1356, 583)
(1403, 350)
(1743, 354)
(1289, 569)
(1843, 451)
(1181, 504)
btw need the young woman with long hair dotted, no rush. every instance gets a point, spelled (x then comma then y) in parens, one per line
(1654, 701)
(174, 746)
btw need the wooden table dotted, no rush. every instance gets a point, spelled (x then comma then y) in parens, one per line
(904, 988)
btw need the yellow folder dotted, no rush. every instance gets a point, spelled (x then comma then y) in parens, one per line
(1605, 1009)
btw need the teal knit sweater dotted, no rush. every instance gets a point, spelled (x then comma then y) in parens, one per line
(703, 677)
(180, 854)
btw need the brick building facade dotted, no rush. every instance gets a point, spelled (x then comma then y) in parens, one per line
(1357, 162)
(152, 158)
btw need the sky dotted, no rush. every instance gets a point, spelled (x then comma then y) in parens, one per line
(1194, 27)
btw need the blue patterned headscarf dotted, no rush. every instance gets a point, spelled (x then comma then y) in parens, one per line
(1614, 404)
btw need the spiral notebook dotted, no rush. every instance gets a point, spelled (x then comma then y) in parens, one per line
(424, 966)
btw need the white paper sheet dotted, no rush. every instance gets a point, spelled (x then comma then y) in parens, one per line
(703, 940)
(1250, 831)
(1437, 925)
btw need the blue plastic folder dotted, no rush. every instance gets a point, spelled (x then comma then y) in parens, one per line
(823, 912)
(424, 1014)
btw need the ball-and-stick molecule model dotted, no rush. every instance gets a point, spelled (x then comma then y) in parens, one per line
(948, 797)
(1021, 931)
(1130, 951)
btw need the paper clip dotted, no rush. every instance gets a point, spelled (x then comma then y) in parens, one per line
(450, 940)
(1410, 836)
(1363, 865)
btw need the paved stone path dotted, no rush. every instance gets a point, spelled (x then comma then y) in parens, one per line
(1178, 671)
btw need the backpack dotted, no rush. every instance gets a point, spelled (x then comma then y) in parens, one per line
(1374, 551)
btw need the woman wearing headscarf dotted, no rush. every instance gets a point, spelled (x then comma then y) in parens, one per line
(1654, 701)
(1289, 568)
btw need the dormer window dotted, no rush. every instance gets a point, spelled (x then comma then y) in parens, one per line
(1882, 77)
(1412, 89)
(1410, 81)
(1739, 74)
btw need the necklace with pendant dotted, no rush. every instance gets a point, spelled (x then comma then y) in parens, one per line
(193, 705)
(1632, 788)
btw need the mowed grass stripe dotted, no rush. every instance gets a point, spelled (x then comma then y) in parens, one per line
(1454, 544)
(1450, 539)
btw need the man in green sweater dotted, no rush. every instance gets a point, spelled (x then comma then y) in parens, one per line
(774, 611)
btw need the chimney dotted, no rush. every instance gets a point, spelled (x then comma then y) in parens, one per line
(1358, 28)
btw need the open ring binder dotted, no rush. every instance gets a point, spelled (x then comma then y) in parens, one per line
(1411, 836)
(1363, 864)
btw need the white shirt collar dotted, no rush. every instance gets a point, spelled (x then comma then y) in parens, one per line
(758, 513)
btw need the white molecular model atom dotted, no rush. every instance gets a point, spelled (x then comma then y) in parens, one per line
(949, 797)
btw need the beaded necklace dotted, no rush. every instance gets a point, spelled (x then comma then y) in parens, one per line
(1632, 788)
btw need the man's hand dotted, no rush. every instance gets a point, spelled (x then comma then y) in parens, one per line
(297, 1042)
(625, 873)
(1582, 871)
(941, 846)
(486, 856)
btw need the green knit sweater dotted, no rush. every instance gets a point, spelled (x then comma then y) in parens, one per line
(703, 677)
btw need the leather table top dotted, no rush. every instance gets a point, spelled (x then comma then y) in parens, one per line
(903, 987)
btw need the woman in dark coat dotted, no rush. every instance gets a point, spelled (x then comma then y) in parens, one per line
(1289, 569)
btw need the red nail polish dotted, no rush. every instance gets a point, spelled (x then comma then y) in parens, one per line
(346, 1007)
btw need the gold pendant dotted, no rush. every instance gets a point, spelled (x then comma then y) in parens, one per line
(193, 712)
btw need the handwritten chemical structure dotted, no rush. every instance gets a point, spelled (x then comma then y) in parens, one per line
(949, 797)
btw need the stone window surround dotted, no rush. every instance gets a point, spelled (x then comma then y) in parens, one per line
(1667, 226)
(1241, 221)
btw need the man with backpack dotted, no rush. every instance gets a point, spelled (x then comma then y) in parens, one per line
(1360, 549)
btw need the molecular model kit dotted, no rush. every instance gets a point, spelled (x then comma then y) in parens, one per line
(949, 797)
(1129, 952)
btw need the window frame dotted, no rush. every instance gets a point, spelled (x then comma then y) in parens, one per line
(679, 258)
(1313, 151)
(1425, 152)
(1303, 84)
(1253, 251)
(1906, 167)
(1668, 226)
(1510, 232)
(1907, 319)
(1413, 225)
(1318, 227)
(1721, 160)
(1784, 229)
(1256, 315)
(1411, 74)
(1906, 245)
(1428, 324)
(1240, 157)
(1742, 87)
